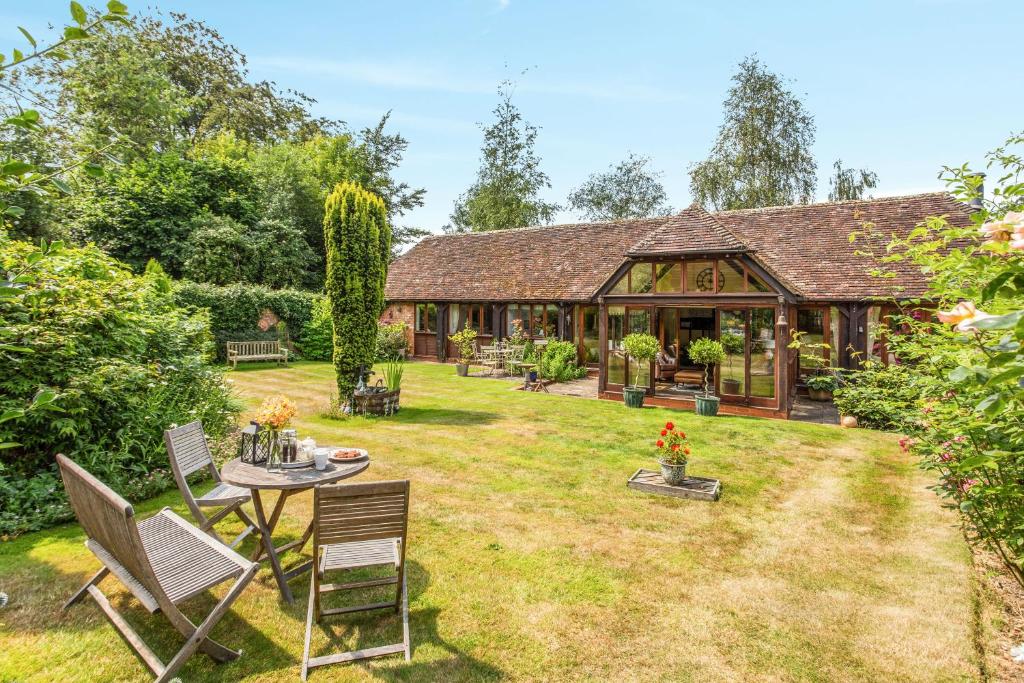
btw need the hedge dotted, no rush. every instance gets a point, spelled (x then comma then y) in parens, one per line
(235, 310)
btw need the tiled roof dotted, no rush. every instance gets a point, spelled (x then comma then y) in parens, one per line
(807, 247)
(556, 263)
(693, 231)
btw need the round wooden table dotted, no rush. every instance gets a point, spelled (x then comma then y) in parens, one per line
(256, 478)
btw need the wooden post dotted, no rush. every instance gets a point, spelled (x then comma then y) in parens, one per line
(442, 332)
(602, 335)
(782, 357)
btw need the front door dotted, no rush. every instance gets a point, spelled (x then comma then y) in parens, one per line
(748, 375)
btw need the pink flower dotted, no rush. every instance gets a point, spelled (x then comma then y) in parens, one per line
(945, 456)
(960, 438)
(905, 443)
(965, 485)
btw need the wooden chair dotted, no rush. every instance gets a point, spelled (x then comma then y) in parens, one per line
(163, 561)
(357, 526)
(189, 452)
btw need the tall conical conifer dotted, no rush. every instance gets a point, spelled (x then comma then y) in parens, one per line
(358, 241)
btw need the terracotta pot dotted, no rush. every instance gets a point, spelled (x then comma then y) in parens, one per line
(730, 386)
(819, 394)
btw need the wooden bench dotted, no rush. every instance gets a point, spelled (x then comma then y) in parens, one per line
(256, 350)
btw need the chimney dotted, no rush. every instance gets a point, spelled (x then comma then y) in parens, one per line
(978, 199)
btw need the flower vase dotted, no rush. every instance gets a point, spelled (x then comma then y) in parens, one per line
(274, 456)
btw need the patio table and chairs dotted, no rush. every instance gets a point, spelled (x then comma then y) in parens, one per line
(165, 560)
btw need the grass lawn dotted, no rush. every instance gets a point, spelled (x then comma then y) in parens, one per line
(826, 558)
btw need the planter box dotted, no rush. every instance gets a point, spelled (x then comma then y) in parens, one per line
(376, 403)
(694, 488)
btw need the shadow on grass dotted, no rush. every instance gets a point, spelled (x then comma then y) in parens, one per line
(370, 629)
(445, 416)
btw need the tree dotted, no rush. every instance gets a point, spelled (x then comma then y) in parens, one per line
(849, 183)
(762, 156)
(219, 250)
(358, 240)
(506, 193)
(627, 190)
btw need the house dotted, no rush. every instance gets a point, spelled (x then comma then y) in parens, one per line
(746, 277)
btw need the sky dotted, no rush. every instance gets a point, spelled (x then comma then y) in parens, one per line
(901, 87)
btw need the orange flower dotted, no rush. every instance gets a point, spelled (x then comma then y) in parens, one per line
(276, 412)
(963, 315)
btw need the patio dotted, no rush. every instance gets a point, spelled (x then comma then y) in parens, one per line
(802, 569)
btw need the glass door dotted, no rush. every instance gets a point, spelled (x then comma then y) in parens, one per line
(748, 374)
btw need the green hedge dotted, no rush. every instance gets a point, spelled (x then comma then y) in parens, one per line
(125, 363)
(235, 310)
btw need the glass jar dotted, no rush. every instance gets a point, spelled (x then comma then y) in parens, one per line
(289, 445)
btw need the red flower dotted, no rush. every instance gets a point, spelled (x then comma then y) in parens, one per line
(675, 447)
(669, 426)
(682, 435)
(686, 450)
(664, 432)
(660, 444)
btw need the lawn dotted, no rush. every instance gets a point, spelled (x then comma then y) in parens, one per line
(826, 558)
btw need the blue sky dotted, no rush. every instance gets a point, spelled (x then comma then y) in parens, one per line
(901, 87)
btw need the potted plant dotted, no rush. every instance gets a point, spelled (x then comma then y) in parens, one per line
(732, 344)
(643, 348)
(673, 454)
(465, 342)
(820, 387)
(707, 352)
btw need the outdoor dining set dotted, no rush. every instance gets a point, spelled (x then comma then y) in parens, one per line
(505, 358)
(164, 560)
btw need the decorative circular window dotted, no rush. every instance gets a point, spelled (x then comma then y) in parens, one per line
(706, 278)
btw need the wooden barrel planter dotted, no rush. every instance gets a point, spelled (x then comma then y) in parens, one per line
(376, 402)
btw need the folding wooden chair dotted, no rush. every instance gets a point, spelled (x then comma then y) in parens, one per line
(189, 452)
(357, 526)
(163, 561)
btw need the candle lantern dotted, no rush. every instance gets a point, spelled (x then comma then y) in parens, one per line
(255, 445)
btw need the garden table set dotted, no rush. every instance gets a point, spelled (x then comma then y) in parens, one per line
(165, 560)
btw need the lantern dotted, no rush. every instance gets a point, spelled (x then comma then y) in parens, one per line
(255, 444)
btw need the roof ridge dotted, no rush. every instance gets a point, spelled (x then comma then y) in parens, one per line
(842, 202)
(625, 222)
(723, 226)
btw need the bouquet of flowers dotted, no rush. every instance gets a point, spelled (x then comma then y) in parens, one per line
(672, 446)
(276, 412)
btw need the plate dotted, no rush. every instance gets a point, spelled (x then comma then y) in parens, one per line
(363, 455)
(297, 465)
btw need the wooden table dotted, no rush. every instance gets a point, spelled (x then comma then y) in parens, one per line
(257, 479)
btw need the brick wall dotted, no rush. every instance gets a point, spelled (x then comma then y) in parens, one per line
(401, 312)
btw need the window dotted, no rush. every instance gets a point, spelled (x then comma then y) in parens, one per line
(640, 278)
(590, 334)
(754, 284)
(700, 277)
(668, 277)
(733, 337)
(551, 320)
(426, 318)
(487, 316)
(616, 354)
(811, 321)
(731, 276)
(762, 352)
(622, 286)
(520, 312)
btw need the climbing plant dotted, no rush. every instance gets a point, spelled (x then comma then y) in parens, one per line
(358, 241)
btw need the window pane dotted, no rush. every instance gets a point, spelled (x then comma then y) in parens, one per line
(616, 356)
(431, 318)
(537, 321)
(520, 313)
(730, 276)
(551, 329)
(591, 335)
(700, 277)
(640, 278)
(875, 333)
(733, 338)
(762, 352)
(456, 317)
(754, 283)
(834, 319)
(811, 321)
(622, 286)
(669, 277)
(488, 311)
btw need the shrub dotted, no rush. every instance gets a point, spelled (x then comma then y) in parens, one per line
(465, 342)
(235, 310)
(641, 347)
(391, 340)
(558, 362)
(125, 362)
(316, 340)
(707, 352)
(880, 397)
(358, 240)
(822, 382)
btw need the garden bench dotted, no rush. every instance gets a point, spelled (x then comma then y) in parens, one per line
(256, 350)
